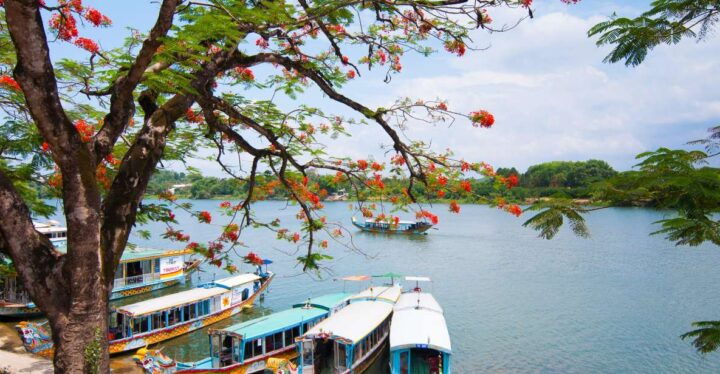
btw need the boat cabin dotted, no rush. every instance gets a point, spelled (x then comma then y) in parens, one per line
(249, 344)
(351, 339)
(52, 230)
(166, 311)
(419, 338)
(143, 266)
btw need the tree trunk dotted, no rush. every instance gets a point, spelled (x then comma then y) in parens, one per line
(80, 335)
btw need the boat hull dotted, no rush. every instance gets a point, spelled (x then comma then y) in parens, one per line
(136, 342)
(256, 365)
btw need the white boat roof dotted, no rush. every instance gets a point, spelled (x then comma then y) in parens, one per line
(417, 279)
(237, 280)
(49, 226)
(386, 293)
(170, 301)
(353, 322)
(424, 326)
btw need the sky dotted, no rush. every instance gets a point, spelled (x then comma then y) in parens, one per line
(552, 96)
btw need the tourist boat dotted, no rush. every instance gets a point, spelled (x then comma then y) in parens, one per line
(399, 227)
(253, 346)
(419, 338)
(151, 321)
(352, 339)
(140, 270)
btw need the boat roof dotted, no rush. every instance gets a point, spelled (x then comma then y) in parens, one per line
(417, 279)
(237, 280)
(272, 323)
(326, 302)
(385, 293)
(186, 297)
(137, 254)
(49, 226)
(169, 301)
(353, 322)
(418, 321)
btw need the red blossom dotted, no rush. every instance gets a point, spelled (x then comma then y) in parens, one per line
(296, 237)
(324, 244)
(440, 194)
(96, 18)
(86, 131)
(442, 106)
(225, 204)
(514, 210)
(526, 3)
(65, 25)
(464, 166)
(87, 44)
(253, 259)
(245, 74)
(362, 164)
(204, 217)
(193, 117)
(442, 180)
(350, 74)
(482, 118)
(454, 207)
(511, 181)
(377, 167)
(8, 82)
(262, 43)
(345, 60)
(455, 46)
(45, 146)
(466, 186)
(398, 160)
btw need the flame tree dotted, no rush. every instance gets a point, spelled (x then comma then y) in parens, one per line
(95, 129)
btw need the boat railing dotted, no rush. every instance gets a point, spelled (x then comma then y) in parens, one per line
(138, 279)
(19, 297)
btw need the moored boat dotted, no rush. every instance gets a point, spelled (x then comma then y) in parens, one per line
(140, 270)
(256, 345)
(419, 338)
(151, 321)
(393, 227)
(155, 320)
(352, 339)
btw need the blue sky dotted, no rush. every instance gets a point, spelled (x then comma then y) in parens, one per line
(552, 97)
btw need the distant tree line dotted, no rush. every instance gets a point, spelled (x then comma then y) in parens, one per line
(550, 179)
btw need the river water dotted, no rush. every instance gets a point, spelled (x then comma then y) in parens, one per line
(614, 303)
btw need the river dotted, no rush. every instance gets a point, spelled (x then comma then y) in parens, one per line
(616, 302)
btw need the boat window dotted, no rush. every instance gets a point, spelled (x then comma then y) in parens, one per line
(226, 351)
(245, 294)
(204, 307)
(258, 347)
(340, 355)
(288, 335)
(193, 311)
(305, 327)
(270, 343)
(140, 325)
(158, 321)
(174, 316)
(119, 272)
(248, 350)
(157, 265)
(186, 313)
(278, 338)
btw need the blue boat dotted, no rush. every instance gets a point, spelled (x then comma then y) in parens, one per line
(351, 340)
(390, 227)
(419, 338)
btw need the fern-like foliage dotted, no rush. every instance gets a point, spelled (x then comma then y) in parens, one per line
(552, 216)
(667, 22)
(706, 338)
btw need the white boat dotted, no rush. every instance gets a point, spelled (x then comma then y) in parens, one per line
(352, 339)
(53, 230)
(419, 338)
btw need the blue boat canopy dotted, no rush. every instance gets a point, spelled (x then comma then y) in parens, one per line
(266, 261)
(326, 302)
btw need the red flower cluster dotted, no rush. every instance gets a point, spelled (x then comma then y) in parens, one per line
(398, 160)
(296, 237)
(96, 18)
(245, 74)
(315, 199)
(511, 181)
(440, 194)
(87, 44)
(225, 204)
(65, 25)
(454, 207)
(466, 186)
(350, 74)
(425, 214)
(253, 259)
(442, 180)
(231, 233)
(442, 106)
(482, 118)
(86, 131)
(337, 29)
(377, 167)
(8, 82)
(204, 217)
(45, 146)
(376, 181)
(514, 210)
(176, 235)
(193, 117)
(464, 166)
(362, 164)
(324, 244)
(367, 213)
(262, 43)
(526, 3)
(455, 46)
